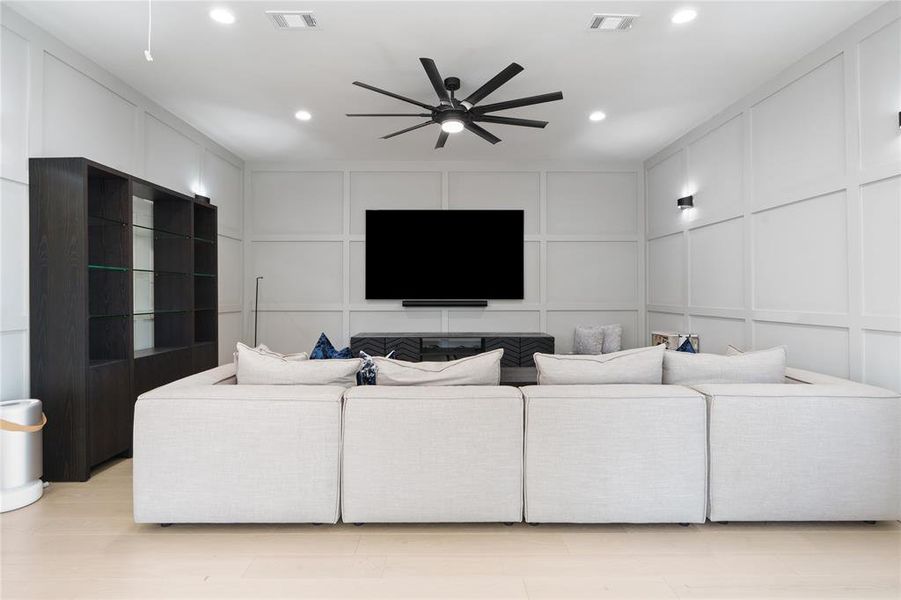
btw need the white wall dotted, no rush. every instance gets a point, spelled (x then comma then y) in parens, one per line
(583, 247)
(795, 237)
(57, 103)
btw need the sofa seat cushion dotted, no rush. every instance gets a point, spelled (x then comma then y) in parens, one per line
(481, 369)
(638, 365)
(762, 366)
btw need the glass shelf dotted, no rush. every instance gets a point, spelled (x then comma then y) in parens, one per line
(204, 275)
(156, 272)
(110, 316)
(150, 313)
(205, 308)
(164, 232)
(105, 221)
(204, 240)
(108, 268)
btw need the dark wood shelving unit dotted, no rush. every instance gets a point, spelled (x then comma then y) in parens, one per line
(123, 300)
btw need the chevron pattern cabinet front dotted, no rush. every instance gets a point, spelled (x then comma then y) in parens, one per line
(518, 347)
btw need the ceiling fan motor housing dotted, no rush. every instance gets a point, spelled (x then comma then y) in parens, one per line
(452, 84)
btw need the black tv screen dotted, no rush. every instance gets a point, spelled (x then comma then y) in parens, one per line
(444, 254)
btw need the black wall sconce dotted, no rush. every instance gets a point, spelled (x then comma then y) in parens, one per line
(686, 202)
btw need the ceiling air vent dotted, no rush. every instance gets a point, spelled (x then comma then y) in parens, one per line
(292, 19)
(602, 22)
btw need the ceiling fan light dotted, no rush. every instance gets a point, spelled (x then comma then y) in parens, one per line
(452, 126)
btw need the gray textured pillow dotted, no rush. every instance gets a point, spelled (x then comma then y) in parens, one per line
(762, 366)
(613, 338)
(598, 339)
(588, 340)
(639, 365)
(481, 369)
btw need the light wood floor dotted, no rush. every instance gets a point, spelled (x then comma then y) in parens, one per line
(79, 541)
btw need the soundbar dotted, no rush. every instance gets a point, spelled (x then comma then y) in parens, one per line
(454, 303)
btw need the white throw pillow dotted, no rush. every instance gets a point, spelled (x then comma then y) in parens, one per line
(256, 367)
(264, 349)
(481, 369)
(639, 365)
(762, 366)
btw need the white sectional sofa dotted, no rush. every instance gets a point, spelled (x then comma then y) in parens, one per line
(432, 454)
(206, 450)
(209, 451)
(615, 454)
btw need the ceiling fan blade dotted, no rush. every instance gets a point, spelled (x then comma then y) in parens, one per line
(510, 121)
(492, 84)
(518, 102)
(391, 135)
(482, 133)
(392, 94)
(388, 115)
(432, 71)
(442, 138)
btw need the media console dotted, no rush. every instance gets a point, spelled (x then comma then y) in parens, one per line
(417, 347)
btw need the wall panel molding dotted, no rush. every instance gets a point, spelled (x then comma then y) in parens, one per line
(590, 272)
(820, 223)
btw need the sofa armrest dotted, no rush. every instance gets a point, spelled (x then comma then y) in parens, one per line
(221, 375)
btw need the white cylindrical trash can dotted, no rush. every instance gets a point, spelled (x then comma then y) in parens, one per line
(21, 456)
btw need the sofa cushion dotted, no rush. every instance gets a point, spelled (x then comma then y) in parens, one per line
(264, 368)
(638, 365)
(762, 366)
(481, 369)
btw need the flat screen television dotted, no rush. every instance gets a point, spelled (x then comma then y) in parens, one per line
(444, 254)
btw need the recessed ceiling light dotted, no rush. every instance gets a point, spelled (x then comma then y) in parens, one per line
(222, 15)
(303, 115)
(597, 115)
(684, 15)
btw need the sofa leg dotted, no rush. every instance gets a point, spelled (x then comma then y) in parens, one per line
(683, 524)
(534, 524)
(316, 524)
(165, 524)
(358, 524)
(509, 524)
(870, 522)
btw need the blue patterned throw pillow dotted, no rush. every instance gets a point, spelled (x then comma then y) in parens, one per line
(686, 347)
(324, 350)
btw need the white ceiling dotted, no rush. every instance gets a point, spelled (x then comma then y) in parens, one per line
(241, 84)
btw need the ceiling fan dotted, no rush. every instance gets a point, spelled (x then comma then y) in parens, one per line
(456, 115)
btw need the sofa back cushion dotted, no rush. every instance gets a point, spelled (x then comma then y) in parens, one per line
(481, 369)
(255, 367)
(638, 365)
(762, 366)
